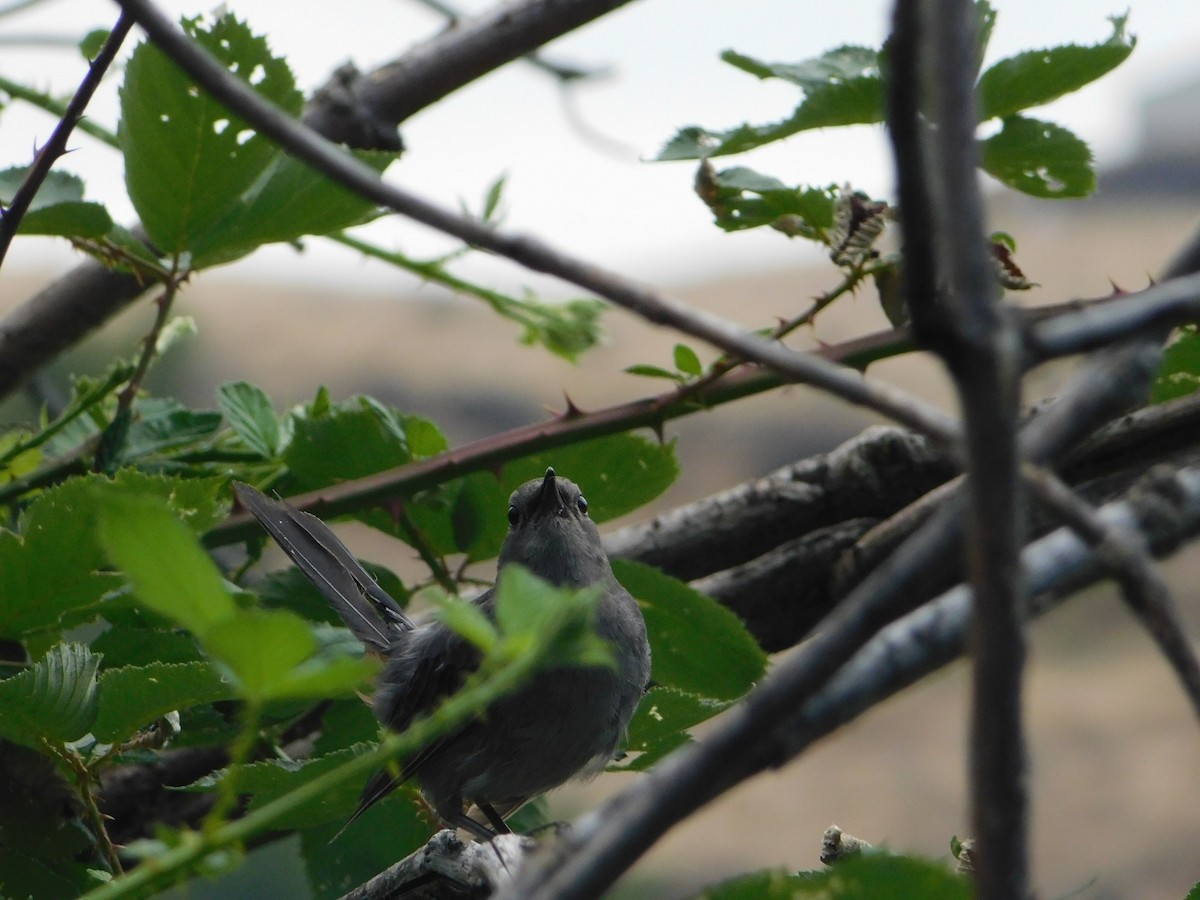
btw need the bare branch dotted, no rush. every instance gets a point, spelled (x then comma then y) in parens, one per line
(455, 57)
(1125, 555)
(957, 314)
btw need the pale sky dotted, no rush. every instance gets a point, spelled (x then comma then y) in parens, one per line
(595, 198)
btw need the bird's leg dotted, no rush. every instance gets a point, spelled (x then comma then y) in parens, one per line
(466, 823)
(495, 818)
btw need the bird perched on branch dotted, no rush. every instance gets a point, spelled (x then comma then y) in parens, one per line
(564, 722)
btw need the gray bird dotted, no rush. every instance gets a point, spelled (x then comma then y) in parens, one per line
(565, 722)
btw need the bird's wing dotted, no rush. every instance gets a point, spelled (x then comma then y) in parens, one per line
(426, 672)
(367, 609)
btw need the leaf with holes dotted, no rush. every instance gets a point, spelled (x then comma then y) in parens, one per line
(1036, 77)
(843, 86)
(291, 201)
(188, 161)
(1040, 159)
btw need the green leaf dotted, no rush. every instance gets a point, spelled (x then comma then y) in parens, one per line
(389, 830)
(127, 645)
(53, 700)
(833, 67)
(1036, 77)
(188, 161)
(90, 46)
(132, 697)
(491, 201)
(1179, 373)
(552, 623)
(478, 531)
(466, 619)
(261, 646)
(566, 328)
(200, 503)
(661, 724)
(356, 438)
(290, 201)
(687, 631)
(270, 780)
(841, 87)
(251, 416)
(741, 198)
(346, 722)
(53, 566)
(164, 424)
(647, 371)
(58, 208)
(1040, 159)
(687, 361)
(169, 571)
(985, 23)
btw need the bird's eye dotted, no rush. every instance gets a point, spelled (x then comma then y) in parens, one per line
(513, 516)
(582, 503)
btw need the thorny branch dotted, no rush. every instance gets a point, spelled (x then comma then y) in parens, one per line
(10, 218)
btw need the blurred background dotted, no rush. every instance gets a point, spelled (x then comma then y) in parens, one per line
(1115, 754)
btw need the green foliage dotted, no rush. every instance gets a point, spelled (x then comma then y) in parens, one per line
(845, 86)
(687, 631)
(58, 208)
(269, 653)
(188, 161)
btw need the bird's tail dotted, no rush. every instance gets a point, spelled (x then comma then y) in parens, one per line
(367, 609)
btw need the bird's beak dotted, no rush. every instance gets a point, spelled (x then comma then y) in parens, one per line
(548, 502)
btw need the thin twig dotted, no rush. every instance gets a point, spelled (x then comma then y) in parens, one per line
(10, 218)
(1124, 554)
(1158, 307)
